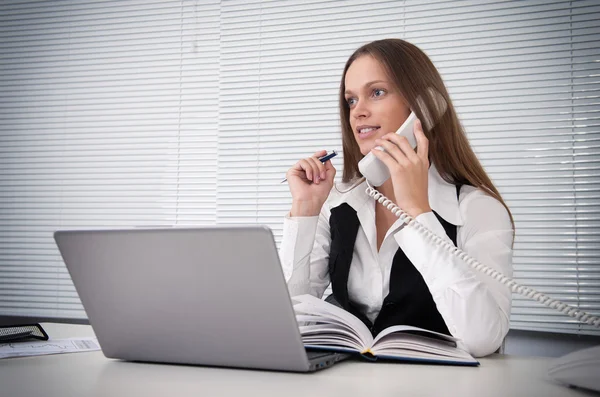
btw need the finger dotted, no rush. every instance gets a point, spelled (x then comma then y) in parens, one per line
(316, 172)
(306, 166)
(319, 169)
(320, 153)
(393, 151)
(320, 166)
(386, 159)
(405, 146)
(422, 141)
(316, 155)
(330, 171)
(328, 166)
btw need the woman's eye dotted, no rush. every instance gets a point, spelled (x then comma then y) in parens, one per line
(351, 101)
(378, 92)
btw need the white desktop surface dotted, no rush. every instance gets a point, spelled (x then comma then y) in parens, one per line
(91, 374)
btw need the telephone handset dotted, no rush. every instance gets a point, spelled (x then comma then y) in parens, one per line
(373, 169)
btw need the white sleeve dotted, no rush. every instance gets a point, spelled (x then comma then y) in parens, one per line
(475, 307)
(304, 254)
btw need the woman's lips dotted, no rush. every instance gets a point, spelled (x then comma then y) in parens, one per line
(368, 134)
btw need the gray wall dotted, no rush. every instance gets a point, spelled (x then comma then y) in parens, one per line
(546, 344)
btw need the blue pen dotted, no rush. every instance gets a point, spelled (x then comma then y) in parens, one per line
(323, 159)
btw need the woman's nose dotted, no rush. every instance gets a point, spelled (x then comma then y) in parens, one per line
(361, 110)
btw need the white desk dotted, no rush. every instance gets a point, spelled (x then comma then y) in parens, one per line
(91, 374)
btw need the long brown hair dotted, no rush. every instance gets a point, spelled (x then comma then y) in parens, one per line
(415, 76)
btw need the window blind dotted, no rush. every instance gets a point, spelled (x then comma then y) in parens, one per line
(523, 76)
(109, 119)
(223, 97)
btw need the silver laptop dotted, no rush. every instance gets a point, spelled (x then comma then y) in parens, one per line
(204, 295)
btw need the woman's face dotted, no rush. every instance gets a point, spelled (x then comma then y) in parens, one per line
(376, 106)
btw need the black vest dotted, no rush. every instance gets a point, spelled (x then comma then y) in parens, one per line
(409, 301)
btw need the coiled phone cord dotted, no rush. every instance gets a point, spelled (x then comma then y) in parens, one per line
(512, 284)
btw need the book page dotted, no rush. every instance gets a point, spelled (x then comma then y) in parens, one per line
(310, 305)
(327, 334)
(415, 342)
(401, 341)
(304, 320)
(309, 318)
(409, 328)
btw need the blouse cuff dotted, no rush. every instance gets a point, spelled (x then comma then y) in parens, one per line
(297, 241)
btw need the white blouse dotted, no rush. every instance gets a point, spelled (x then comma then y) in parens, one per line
(475, 307)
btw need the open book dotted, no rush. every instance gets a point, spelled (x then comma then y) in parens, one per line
(324, 326)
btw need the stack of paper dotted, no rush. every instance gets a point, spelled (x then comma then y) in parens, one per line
(52, 346)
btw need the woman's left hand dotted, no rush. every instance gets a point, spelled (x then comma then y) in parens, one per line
(409, 169)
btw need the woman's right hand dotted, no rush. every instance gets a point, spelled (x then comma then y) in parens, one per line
(310, 182)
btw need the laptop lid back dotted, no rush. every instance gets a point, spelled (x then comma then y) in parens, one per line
(202, 295)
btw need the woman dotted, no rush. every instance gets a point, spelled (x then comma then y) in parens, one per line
(380, 270)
